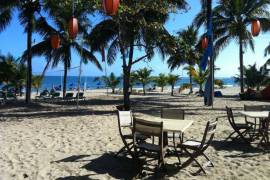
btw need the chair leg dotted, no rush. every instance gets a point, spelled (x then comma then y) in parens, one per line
(192, 158)
(175, 149)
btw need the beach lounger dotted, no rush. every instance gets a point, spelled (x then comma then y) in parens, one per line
(240, 129)
(81, 96)
(54, 97)
(195, 149)
(149, 128)
(68, 97)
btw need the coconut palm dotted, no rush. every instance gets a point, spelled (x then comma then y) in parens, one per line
(199, 77)
(37, 82)
(161, 81)
(138, 26)
(111, 81)
(231, 20)
(144, 77)
(27, 10)
(253, 77)
(63, 54)
(172, 79)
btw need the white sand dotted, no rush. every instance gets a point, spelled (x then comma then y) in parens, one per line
(56, 141)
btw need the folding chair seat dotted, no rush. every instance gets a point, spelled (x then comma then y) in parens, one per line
(198, 147)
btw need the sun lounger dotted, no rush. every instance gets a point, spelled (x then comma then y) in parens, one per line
(81, 96)
(68, 97)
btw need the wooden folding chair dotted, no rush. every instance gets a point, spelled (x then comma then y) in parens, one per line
(199, 147)
(264, 130)
(149, 128)
(177, 114)
(240, 129)
(256, 125)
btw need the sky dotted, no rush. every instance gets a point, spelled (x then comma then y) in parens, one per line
(13, 40)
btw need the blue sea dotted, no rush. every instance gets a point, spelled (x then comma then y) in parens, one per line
(89, 82)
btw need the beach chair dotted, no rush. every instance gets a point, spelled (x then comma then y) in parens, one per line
(81, 96)
(149, 128)
(195, 149)
(177, 114)
(255, 123)
(68, 97)
(240, 129)
(43, 95)
(264, 130)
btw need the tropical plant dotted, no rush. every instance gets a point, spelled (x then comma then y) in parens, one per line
(219, 83)
(37, 82)
(189, 51)
(61, 12)
(231, 20)
(200, 77)
(253, 77)
(27, 15)
(172, 79)
(161, 81)
(111, 81)
(144, 77)
(132, 80)
(138, 26)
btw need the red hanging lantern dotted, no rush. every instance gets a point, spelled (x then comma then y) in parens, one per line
(110, 6)
(204, 42)
(255, 27)
(55, 41)
(73, 28)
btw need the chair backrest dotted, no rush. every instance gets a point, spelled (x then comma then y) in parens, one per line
(170, 113)
(230, 117)
(68, 95)
(266, 124)
(148, 128)
(265, 107)
(252, 108)
(56, 94)
(124, 118)
(209, 133)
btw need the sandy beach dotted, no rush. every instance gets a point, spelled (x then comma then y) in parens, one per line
(56, 141)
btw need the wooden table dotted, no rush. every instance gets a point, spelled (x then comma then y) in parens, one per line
(255, 114)
(171, 125)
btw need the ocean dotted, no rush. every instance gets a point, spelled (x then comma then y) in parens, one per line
(89, 82)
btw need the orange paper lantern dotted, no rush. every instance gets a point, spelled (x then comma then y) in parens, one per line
(73, 28)
(255, 27)
(110, 6)
(204, 42)
(55, 41)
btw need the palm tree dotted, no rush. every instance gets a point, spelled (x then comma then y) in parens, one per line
(231, 18)
(172, 79)
(253, 77)
(111, 81)
(37, 82)
(161, 81)
(61, 13)
(26, 9)
(199, 77)
(132, 80)
(188, 51)
(138, 26)
(144, 77)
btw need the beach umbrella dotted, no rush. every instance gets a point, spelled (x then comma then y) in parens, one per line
(55, 41)
(73, 28)
(110, 6)
(204, 42)
(255, 27)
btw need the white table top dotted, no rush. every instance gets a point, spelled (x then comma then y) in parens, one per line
(170, 125)
(255, 114)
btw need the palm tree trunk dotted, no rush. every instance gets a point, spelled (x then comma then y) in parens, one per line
(162, 88)
(190, 82)
(172, 89)
(29, 61)
(65, 80)
(126, 78)
(241, 65)
(144, 89)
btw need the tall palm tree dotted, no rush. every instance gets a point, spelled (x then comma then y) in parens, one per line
(231, 19)
(138, 26)
(161, 81)
(144, 77)
(26, 9)
(61, 13)
(37, 82)
(172, 79)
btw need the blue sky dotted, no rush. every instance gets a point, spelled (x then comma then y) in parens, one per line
(13, 40)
